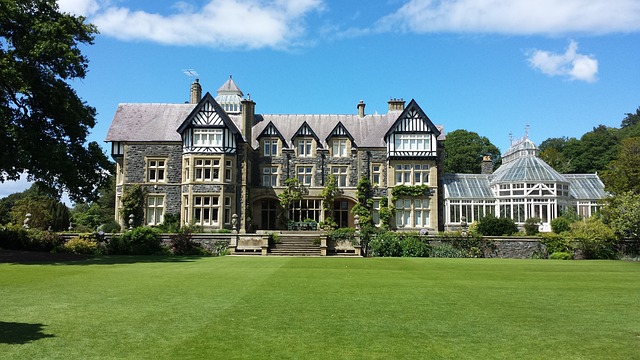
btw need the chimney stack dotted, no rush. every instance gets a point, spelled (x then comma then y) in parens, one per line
(396, 105)
(361, 109)
(487, 165)
(248, 114)
(196, 92)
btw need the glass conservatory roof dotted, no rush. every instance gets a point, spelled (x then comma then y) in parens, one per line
(526, 169)
(585, 186)
(467, 186)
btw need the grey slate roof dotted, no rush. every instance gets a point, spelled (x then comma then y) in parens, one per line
(230, 87)
(529, 169)
(467, 186)
(148, 122)
(585, 186)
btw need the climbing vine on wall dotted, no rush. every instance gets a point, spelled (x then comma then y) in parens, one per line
(133, 203)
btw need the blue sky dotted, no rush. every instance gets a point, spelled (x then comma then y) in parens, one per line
(489, 66)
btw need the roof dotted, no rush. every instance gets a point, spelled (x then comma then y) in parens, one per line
(585, 186)
(526, 169)
(467, 186)
(148, 122)
(230, 87)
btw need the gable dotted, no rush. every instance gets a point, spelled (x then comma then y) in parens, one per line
(340, 131)
(413, 120)
(208, 113)
(271, 131)
(305, 131)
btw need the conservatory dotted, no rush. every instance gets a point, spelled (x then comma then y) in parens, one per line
(523, 187)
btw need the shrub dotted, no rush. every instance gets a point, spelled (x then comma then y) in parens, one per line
(181, 242)
(594, 238)
(493, 226)
(78, 245)
(17, 238)
(560, 225)
(561, 255)
(557, 243)
(139, 241)
(445, 250)
(532, 226)
(386, 244)
(170, 224)
(413, 246)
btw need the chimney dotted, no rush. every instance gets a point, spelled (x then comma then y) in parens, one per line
(487, 165)
(196, 92)
(248, 112)
(361, 109)
(396, 104)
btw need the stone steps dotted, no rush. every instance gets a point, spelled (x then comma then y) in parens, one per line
(296, 244)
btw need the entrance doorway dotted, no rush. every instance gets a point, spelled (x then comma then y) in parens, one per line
(268, 214)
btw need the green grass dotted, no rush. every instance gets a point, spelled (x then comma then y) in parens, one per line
(305, 308)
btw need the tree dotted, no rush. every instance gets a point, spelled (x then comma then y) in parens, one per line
(43, 122)
(552, 152)
(593, 151)
(465, 150)
(623, 173)
(622, 213)
(631, 119)
(46, 211)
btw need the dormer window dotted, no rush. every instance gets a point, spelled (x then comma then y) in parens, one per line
(270, 147)
(305, 147)
(207, 137)
(339, 147)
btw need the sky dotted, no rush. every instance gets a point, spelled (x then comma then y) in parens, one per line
(494, 67)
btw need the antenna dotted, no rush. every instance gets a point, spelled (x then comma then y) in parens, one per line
(190, 72)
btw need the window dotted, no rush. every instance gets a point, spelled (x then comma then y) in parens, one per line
(155, 209)
(304, 174)
(205, 210)
(270, 147)
(207, 137)
(207, 169)
(228, 170)
(270, 176)
(376, 170)
(376, 212)
(305, 209)
(339, 147)
(227, 210)
(412, 213)
(156, 170)
(187, 172)
(412, 142)
(412, 174)
(340, 172)
(305, 147)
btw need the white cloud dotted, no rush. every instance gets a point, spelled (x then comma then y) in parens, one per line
(515, 16)
(219, 23)
(79, 7)
(570, 64)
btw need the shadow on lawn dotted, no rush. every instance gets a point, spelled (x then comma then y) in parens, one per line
(21, 333)
(45, 258)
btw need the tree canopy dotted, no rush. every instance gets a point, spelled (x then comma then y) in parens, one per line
(43, 122)
(465, 150)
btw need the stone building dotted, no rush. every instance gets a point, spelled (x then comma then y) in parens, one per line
(211, 158)
(215, 157)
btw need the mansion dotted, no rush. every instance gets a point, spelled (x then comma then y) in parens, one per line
(215, 158)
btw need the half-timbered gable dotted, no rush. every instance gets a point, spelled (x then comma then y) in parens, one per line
(413, 135)
(208, 129)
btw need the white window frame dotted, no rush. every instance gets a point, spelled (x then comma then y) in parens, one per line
(413, 142)
(270, 147)
(207, 137)
(270, 176)
(206, 169)
(305, 175)
(154, 209)
(413, 213)
(341, 174)
(376, 173)
(156, 170)
(411, 173)
(305, 147)
(339, 147)
(206, 210)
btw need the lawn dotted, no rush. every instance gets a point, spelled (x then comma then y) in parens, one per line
(306, 308)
